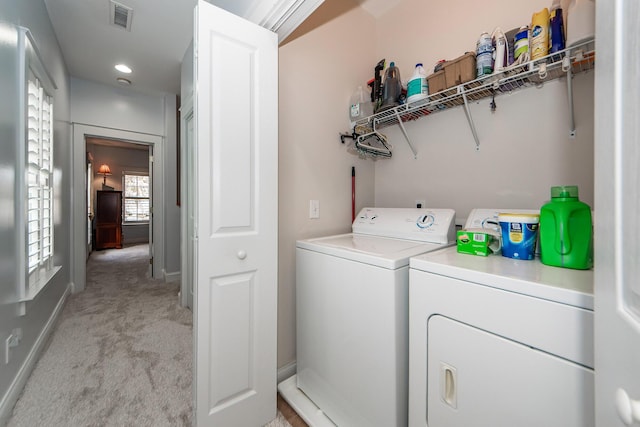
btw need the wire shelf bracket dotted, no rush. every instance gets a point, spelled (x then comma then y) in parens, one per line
(404, 132)
(467, 112)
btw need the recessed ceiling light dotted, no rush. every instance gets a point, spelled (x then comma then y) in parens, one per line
(123, 68)
(123, 81)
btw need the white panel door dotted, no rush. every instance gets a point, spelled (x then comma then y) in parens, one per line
(617, 225)
(236, 119)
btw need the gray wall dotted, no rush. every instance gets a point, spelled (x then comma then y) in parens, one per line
(140, 113)
(125, 109)
(116, 107)
(33, 15)
(171, 208)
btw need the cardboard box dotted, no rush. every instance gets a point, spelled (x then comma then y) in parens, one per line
(460, 70)
(477, 242)
(436, 82)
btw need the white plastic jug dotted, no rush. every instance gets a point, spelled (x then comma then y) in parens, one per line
(360, 106)
(417, 88)
(581, 21)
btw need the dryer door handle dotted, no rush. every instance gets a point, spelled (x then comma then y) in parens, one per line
(448, 384)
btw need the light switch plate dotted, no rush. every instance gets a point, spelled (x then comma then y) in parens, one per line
(314, 209)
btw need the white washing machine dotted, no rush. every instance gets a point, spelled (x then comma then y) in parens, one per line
(352, 303)
(499, 342)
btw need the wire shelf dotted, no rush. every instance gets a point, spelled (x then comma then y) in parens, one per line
(566, 63)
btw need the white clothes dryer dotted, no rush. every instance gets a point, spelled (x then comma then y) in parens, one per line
(499, 342)
(352, 304)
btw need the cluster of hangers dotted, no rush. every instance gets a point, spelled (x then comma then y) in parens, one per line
(368, 142)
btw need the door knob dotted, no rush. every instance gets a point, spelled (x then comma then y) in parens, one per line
(241, 254)
(628, 409)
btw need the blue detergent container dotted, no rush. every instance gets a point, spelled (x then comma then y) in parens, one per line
(519, 235)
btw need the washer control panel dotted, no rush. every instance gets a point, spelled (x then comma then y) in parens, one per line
(488, 218)
(426, 225)
(425, 221)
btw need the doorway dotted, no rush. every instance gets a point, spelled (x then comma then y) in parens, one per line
(82, 134)
(120, 166)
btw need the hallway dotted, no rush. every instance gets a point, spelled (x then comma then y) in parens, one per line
(120, 354)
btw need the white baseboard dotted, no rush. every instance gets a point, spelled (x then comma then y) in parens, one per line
(287, 371)
(132, 240)
(171, 277)
(12, 395)
(300, 402)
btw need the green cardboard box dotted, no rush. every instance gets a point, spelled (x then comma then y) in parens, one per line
(477, 242)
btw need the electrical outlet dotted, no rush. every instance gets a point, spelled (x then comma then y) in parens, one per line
(12, 341)
(420, 203)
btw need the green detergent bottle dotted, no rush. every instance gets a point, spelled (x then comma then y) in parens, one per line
(566, 230)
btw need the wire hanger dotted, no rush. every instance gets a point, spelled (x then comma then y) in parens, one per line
(368, 142)
(373, 144)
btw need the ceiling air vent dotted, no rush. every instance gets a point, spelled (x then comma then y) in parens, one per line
(120, 15)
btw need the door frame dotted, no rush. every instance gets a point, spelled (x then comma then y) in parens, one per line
(89, 191)
(187, 181)
(79, 203)
(617, 327)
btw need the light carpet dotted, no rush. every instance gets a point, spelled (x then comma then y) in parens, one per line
(120, 354)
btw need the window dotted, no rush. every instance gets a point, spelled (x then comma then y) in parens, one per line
(39, 175)
(34, 178)
(136, 198)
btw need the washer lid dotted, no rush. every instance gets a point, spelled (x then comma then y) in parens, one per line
(383, 252)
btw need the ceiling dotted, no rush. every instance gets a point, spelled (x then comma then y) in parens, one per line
(377, 8)
(161, 31)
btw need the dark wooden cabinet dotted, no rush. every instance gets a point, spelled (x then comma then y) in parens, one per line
(109, 220)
